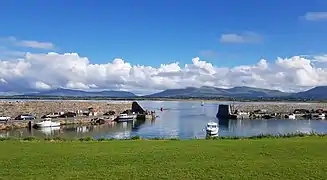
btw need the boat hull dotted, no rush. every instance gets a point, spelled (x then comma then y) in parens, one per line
(52, 124)
(321, 117)
(212, 132)
(125, 119)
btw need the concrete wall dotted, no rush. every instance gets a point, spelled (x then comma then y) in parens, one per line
(137, 108)
(224, 111)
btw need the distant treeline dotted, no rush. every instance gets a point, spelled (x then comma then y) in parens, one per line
(163, 98)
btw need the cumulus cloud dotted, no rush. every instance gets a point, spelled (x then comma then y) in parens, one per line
(69, 70)
(28, 43)
(315, 16)
(248, 37)
(321, 58)
(41, 85)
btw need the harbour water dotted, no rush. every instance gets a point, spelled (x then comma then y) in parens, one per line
(180, 119)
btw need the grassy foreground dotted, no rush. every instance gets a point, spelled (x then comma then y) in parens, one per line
(288, 158)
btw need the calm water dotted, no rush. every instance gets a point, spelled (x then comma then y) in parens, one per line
(181, 119)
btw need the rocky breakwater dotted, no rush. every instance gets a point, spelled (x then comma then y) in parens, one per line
(278, 107)
(41, 108)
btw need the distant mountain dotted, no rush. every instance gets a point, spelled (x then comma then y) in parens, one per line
(208, 91)
(75, 93)
(244, 91)
(319, 92)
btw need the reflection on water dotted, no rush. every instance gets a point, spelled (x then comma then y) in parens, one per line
(179, 119)
(48, 131)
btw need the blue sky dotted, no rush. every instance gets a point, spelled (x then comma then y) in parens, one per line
(151, 32)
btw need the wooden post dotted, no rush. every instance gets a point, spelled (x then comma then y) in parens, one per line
(29, 125)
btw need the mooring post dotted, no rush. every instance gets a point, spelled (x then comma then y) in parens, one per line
(29, 125)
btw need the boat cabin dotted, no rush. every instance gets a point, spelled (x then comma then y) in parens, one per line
(25, 117)
(212, 125)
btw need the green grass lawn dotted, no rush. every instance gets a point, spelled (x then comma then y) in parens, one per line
(282, 159)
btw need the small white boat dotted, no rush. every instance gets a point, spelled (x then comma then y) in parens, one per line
(47, 123)
(126, 117)
(321, 116)
(4, 118)
(212, 128)
(202, 103)
(243, 113)
(291, 116)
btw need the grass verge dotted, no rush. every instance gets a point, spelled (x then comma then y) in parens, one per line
(260, 136)
(299, 157)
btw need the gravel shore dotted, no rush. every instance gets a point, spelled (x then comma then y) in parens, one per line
(271, 107)
(40, 108)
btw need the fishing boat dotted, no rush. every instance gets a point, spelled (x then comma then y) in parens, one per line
(47, 123)
(125, 117)
(321, 116)
(212, 128)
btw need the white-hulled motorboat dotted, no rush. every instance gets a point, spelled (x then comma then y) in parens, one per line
(212, 128)
(5, 118)
(321, 116)
(291, 116)
(126, 117)
(47, 123)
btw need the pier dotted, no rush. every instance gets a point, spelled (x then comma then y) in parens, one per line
(227, 111)
(141, 113)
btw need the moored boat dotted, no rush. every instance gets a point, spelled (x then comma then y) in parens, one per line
(292, 116)
(125, 117)
(212, 128)
(5, 118)
(47, 123)
(321, 116)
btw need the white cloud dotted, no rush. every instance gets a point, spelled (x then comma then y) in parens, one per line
(3, 81)
(41, 85)
(69, 70)
(321, 58)
(315, 16)
(35, 44)
(248, 37)
(28, 43)
(77, 85)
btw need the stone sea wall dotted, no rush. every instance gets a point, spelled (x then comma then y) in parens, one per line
(286, 107)
(40, 108)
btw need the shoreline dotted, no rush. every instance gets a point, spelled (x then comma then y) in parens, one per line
(114, 101)
(138, 138)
